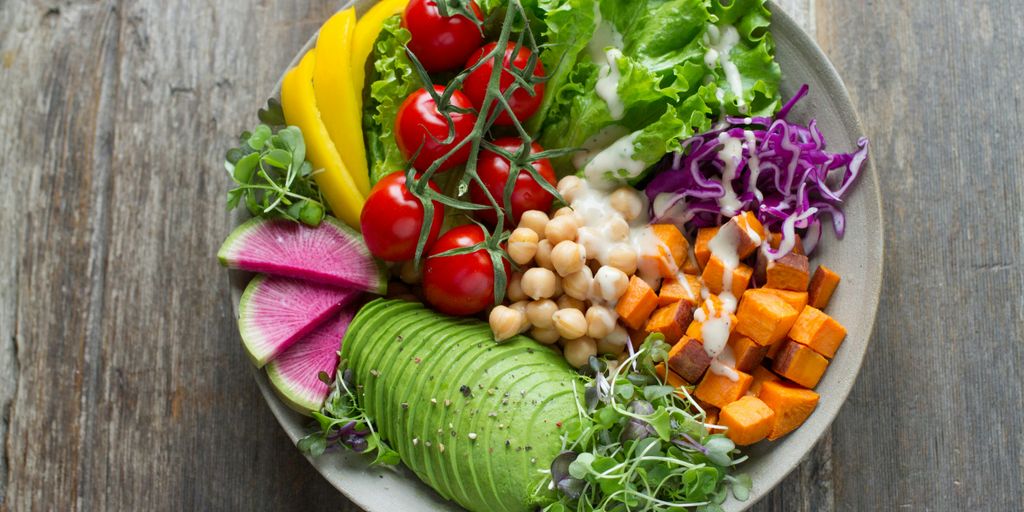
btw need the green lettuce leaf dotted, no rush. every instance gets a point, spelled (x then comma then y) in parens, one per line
(667, 89)
(392, 79)
(753, 56)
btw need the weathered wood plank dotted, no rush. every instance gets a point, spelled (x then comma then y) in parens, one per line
(934, 421)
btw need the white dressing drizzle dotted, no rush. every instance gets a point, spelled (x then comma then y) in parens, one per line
(720, 43)
(753, 164)
(731, 155)
(715, 327)
(614, 162)
(607, 86)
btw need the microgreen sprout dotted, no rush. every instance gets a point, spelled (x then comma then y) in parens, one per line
(271, 173)
(342, 423)
(641, 445)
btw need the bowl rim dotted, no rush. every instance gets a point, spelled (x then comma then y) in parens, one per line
(833, 87)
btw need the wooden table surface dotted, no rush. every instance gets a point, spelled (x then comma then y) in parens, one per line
(122, 383)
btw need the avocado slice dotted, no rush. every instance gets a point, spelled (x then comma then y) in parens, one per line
(505, 402)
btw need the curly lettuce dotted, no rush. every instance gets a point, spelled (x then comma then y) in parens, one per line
(668, 81)
(392, 79)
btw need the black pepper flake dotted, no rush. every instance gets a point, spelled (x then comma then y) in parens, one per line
(466, 392)
(529, 351)
(405, 406)
(417, 360)
(399, 338)
(508, 443)
(528, 448)
(375, 373)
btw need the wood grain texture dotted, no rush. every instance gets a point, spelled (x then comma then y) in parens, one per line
(123, 386)
(934, 422)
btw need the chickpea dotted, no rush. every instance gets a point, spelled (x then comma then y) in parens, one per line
(622, 257)
(614, 343)
(617, 229)
(522, 245)
(505, 322)
(567, 302)
(577, 285)
(609, 283)
(591, 240)
(568, 257)
(558, 286)
(521, 307)
(540, 313)
(409, 274)
(543, 256)
(578, 351)
(600, 322)
(547, 336)
(561, 229)
(571, 323)
(570, 187)
(515, 287)
(534, 220)
(539, 283)
(561, 212)
(627, 202)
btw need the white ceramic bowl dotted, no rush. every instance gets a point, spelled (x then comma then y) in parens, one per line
(857, 258)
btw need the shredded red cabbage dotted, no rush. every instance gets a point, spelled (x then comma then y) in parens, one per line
(781, 172)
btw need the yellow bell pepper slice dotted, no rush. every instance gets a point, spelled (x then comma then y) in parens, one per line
(367, 31)
(299, 103)
(336, 96)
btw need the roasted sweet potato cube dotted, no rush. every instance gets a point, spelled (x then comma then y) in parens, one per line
(792, 405)
(701, 249)
(671, 321)
(775, 239)
(823, 284)
(668, 377)
(672, 242)
(764, 318)
(818, 331)
(748, 419)
(800, 364)
(789, 272)
(711, 416)
(636, 305)
(751, 233)
(673, 290)
(796, 299)
(747, 353)
(761, 375)
(714, 277)
(774, 348)
(710, 308)
(689, 360)
(720, 390)
(690, 266)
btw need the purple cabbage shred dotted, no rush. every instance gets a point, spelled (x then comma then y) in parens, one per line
(784, 175)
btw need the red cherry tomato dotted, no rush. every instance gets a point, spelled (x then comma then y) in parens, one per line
(464, 284)
(441, 43)
(419, 126)
(527, 194)
(522, 102)
(392, 218)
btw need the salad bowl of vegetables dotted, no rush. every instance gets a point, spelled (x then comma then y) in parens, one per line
(555, 255)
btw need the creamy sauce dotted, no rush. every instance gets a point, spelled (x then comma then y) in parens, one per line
(720, 43)
(605, 36)
(604, 229)
(715, 327)
(597, 142)
(614, 163)
(753, 163)
(607, 86)
(731, 155)
(789, 234)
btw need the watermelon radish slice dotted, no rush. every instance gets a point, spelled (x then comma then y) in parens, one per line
(331, 254)
(295, 374)
(276, 312)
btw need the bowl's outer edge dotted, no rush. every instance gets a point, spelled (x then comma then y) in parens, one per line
(380, 489)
